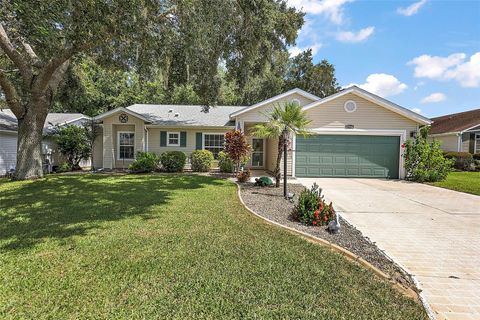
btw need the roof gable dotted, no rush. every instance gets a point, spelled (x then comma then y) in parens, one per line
(121, 109)
(372, 98)
(275, 98)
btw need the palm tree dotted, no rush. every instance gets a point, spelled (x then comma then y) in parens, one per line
(281, 123)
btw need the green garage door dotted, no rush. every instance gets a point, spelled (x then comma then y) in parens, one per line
(347, 156)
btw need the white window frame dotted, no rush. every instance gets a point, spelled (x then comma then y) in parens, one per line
(263, 153)
(476, 146)
(168, 139)
(118, 145)
(211, 133)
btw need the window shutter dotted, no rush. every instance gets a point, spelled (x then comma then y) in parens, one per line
(472, 143)
(163, 138)
(183, 139)
(199, 141)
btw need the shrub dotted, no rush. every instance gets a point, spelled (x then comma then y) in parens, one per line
(312, 209)
(476, 156)
(201, 160)
(145, 162)
(424, 161)
(73, 143)
(225, 163)
(462, 160)
(243, 176)
(237, 148)
(173, 161)
(64, 167)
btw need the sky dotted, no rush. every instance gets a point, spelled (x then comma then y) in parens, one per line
(423, 55)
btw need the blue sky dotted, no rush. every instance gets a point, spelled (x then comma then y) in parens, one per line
(421, 54)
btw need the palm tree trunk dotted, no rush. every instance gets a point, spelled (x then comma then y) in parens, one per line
(277, 172)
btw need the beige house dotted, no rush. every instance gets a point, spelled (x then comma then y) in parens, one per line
(354, 133)
(458, 132)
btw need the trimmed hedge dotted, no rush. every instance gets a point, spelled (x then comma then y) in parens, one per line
(225, 163)
(173, 161)
(476, 156)
(463, 160)
(145, 162)
(201, 160)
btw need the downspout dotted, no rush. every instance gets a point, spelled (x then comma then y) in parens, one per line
(459, 141)
(146, 140)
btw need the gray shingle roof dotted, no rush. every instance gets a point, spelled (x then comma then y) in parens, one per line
(8, 121)
(182, 115)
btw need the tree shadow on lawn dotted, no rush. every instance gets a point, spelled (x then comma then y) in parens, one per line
(60, 207)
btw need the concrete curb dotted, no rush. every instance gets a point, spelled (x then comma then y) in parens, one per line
(349, 255)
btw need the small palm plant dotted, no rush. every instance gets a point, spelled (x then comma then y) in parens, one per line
(281, 123)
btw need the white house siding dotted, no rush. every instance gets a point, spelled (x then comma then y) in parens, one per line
(367, 116)
(447, 142)
(154, 138)
(8, 151)
(98, 150)
(259, 114)
(111, 126)
(465, 145)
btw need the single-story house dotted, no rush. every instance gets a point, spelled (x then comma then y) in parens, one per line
(355, 133)
(458, 132)
(8, 138)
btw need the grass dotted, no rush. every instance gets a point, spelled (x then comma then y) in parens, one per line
(468, 182)
(171, 247)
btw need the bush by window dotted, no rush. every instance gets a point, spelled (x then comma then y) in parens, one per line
(225, 163)
(462, 160)
(145, 162)
(201, 160)
(173, 161)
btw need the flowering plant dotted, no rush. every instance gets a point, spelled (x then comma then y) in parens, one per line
(312, 208)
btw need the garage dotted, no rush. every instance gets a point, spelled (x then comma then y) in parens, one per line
(366, 156)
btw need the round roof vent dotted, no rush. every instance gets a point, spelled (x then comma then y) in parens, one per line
(350, 106)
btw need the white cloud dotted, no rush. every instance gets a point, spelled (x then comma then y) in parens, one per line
(359, 36)
(411, 9)
(452, 67)
(294, 51)
(434, 97)
(417, 110)
(332, 9)
(383, 84)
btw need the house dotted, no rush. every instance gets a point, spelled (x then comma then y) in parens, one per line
(458, 132)
(8, 137)
(355, 133)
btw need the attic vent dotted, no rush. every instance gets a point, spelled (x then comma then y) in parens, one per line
(177, 114)
(350, 106)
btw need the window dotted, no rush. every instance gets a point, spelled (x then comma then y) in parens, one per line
(350, 106)
(257, 152)
(126, 145)
(173, 139)
(477, 143)
(213, 142)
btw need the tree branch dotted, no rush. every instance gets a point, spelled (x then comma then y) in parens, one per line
(15, 56)
(45, 75)
(11, 96)
(33, 56)
(57, 76)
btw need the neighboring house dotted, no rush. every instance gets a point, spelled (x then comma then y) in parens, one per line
(8, 137)
(458, 131)
(355, 133)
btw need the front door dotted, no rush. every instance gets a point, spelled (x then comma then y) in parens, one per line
(258, 146)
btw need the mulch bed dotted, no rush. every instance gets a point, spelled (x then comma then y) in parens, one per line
(269, 203)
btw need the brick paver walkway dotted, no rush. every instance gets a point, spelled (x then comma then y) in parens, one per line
(434, 233)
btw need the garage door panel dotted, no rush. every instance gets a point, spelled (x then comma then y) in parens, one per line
(347, 156)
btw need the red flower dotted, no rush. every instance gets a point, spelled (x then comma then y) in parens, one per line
(403, 145)
(314, 222)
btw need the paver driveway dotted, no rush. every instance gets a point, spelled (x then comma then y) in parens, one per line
(434, 233)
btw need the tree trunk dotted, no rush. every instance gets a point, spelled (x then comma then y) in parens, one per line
(277, 172)
(29, 143)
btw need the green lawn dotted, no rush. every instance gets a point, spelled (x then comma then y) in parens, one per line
(171, 247)
(462, 181)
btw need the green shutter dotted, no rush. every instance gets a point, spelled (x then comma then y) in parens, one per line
(163, 138)
(472, 143)
(199, 141)
(183, 139)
